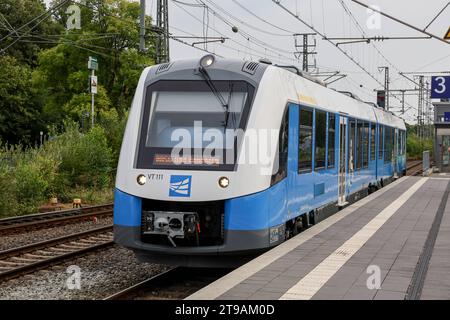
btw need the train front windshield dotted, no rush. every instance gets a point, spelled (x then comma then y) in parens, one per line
(189, 125)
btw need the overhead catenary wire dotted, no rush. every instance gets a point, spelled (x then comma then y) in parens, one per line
(277, 2)
(42, 15)
(246, 47)
(433, 62)
(241, 32)
(363, 33)
(437, 16)
(198, 48)
(84, 46)
(40, 18)
(290, 32)
(250, 41)
(260, 55)
(264, 54)
(7, 25)
(275, 56)
(401, 22)
(202, 5)
(174, 38)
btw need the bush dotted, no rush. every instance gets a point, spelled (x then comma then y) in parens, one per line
(416, 146)
(27, 178)
(71, 165)
(8, 203)
(31, 187)
(86, 159)
(114, 127)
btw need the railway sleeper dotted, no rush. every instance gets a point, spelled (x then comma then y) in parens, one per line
(73, 246)
(60, 250)
(11, 263)
(45, 253)
(22, 259)
(35, 256)
(87, 241)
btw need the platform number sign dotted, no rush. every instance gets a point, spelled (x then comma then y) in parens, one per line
(440, 87)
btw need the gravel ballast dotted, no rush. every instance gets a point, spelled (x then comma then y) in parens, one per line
(102, 274)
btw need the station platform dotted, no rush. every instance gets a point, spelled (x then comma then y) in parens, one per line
(392, 245)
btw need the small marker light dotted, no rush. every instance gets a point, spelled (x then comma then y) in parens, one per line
(141, 179)
(207, 61)
(224, 182)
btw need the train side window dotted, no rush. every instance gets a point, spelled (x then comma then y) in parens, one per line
(320, 140)
(388, 145)
(393, 142)
(305, 141)
(331, 139)
(372, 142)
(404, 143)
(400, 142)
(352, 142)
(365, 145)
(380, 142)
(405, 139)
(283, 146)
(359, 145)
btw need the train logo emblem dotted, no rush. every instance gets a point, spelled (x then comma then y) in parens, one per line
(180, 186)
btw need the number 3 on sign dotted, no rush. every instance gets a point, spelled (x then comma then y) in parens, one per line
(440, 87)
(441, 84)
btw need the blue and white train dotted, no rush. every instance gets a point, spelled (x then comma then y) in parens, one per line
(214, 210)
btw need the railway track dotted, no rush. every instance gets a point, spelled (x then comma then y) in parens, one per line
(414, 168)
(42, 220)
(174, 284)
(30, 258)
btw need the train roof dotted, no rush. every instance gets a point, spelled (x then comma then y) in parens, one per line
(298, 86)
(314, 94)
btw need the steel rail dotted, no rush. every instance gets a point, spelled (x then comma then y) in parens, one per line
(53, 252)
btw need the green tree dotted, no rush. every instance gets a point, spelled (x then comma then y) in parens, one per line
(20, 109)
(110, 32)
(26, 43)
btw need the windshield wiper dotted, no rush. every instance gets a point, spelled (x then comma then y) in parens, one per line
(227, 114)
(216, 93)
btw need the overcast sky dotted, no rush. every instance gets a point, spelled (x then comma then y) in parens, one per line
(329, 18)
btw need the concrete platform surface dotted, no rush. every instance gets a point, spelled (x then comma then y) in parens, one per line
(391, 245)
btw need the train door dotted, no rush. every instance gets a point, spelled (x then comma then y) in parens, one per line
(293, 160)
(395, 153)
(342, 183)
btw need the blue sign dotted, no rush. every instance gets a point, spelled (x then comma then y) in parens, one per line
(180, 186)
(440, 87)
(446, 116)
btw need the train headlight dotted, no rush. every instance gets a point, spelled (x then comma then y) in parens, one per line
(207, 61)
(141, 179)
(224, 182)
